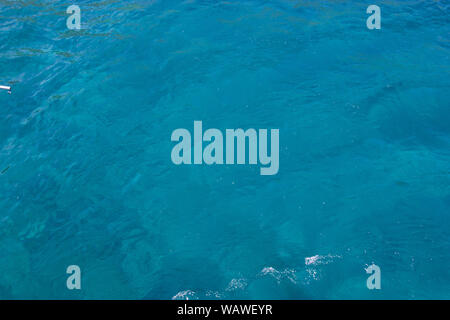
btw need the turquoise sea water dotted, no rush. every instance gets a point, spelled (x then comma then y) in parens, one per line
(87, 179)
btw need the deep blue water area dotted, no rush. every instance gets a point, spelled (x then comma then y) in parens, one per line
(364, 145)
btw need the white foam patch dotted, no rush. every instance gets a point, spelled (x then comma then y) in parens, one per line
(312, 262)
(289, 274)
(318, 259)
(215, 294)
(237, 284)
(184, 295)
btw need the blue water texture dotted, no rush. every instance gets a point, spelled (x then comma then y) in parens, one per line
(86, 176)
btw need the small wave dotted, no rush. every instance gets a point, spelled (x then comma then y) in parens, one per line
(318, 259)
(185, 295)
(237, 284)
(289, 274)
